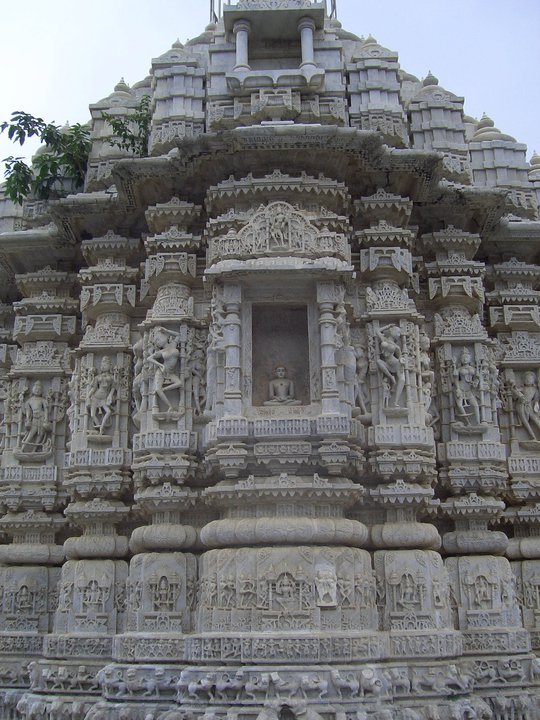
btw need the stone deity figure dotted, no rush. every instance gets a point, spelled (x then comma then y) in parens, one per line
(198, 367)
(139, 394)
(100, 396)
(466, 389)
(346, 356)
(390, 361)
(166, 358)
(528, 403)
(3, 399)
(426, 373)
(326, 586)
(361, 399)
(281, 389)
(216, 344)
(36, 422)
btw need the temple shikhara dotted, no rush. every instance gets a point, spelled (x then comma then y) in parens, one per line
(270, 398)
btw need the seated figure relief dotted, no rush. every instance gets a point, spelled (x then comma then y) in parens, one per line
(281, 389)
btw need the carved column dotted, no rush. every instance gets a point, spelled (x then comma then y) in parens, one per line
(168, 387)
(471, 453)
(306, 27)
(413, 594)
(515, 315)
(241, 32)
(329, 297)
(92, 587)
(31, 490)
(232, 338)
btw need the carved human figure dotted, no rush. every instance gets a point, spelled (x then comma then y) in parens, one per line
(166, 358)
(198, 367)
(3, 398)
(346, 355)
(36, 421)
(100, 396)
(216, 343)
(281, 389)
(466, 388)
(528, 403)
(279, 230)
(139, 394)
(426, 373)
(360, 384)
(326, 586)
(390, 361)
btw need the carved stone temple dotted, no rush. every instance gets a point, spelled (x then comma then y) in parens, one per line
(270, 398)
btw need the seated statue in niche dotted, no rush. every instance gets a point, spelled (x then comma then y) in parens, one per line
(100, 396)
(36, 422)
(281, 389)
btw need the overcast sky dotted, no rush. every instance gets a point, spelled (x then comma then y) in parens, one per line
(57, 56)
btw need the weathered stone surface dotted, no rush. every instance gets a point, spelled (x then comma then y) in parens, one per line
(270, 399)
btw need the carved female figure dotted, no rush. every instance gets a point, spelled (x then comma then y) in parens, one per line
(216, 343)
(528, 403)
(139, 394)
(390, 362)
(166, 359)
(197, 379)
(101, 395)
(36, 421)
(466, 388)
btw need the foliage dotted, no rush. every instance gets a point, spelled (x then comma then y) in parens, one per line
(132, 132)
(64, 157)
(66, 150)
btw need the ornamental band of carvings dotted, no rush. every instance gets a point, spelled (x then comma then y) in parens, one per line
(279, 229)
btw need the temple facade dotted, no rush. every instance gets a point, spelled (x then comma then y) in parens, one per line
(270, 398)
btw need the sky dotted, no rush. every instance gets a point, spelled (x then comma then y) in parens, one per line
(58, 56)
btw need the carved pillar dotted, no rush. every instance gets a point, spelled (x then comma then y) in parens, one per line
(413, 593)
(241, 32)
(471, 453)
(92, 587)
(400, 437)
(31, 494)
(8, 351)
(232, 337)
(169, 403)
(514, 314)
(306, 27)
(329, 297)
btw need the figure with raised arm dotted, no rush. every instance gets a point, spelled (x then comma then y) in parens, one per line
(101, 395)
(166, 358)
(390, 360)
(466, 388)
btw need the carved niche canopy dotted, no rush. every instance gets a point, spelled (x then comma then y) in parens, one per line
(278, 229)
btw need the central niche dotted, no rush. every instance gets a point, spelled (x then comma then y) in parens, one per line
(280, 340)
